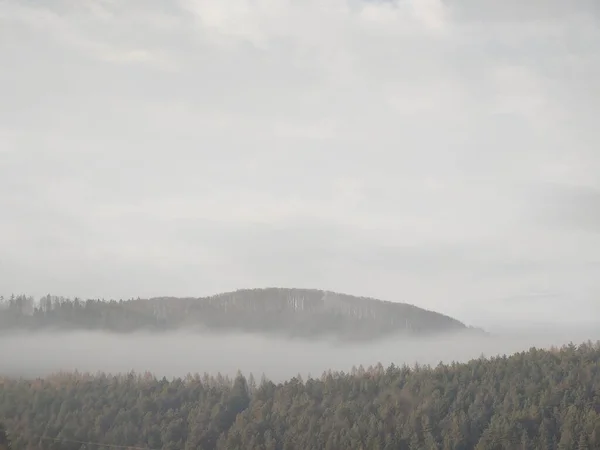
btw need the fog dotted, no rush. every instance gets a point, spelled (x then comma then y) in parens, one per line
(177, 354)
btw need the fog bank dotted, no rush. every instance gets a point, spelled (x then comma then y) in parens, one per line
(176, 354)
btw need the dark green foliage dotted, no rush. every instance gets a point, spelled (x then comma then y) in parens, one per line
(294, 312)
(534, 400)
(4, 440)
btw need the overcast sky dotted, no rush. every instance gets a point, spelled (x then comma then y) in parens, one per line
(445, 154)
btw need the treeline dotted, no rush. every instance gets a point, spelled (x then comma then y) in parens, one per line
(535, 400)
(293, 312)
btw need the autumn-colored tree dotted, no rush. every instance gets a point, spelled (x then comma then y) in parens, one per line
(536, 400)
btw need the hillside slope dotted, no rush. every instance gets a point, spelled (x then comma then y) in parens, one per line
(532, 400)
(293, 312)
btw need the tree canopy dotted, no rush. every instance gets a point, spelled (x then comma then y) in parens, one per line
(535, 400)
(4, 440)
(306, 313)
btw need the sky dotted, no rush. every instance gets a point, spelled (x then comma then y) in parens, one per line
(439, 153)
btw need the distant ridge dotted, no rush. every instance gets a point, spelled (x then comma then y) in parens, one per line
(304, 313)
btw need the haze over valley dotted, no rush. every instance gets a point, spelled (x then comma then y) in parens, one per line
(177, 354)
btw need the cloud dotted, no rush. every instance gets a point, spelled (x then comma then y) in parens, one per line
(57, 25)
(570, 207)
(432, 13)
(179, 354)
(394, 149)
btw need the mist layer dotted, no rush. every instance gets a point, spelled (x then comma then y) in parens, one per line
(177, 354)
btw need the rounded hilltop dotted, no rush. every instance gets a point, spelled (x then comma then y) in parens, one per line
(292, 312)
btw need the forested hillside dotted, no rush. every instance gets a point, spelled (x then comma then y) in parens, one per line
(535, 400)
(5, 443)
(293, 312)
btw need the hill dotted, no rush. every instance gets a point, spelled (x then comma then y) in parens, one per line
(529, 401)
(307, 313)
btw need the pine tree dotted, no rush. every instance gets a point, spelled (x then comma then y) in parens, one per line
(526, 442)
(583, 444)
(4, 440)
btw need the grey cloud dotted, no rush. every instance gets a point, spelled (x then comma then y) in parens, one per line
(515, 11)
(569, 207)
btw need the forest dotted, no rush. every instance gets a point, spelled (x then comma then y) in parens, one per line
(305, 313)
(533, 400)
